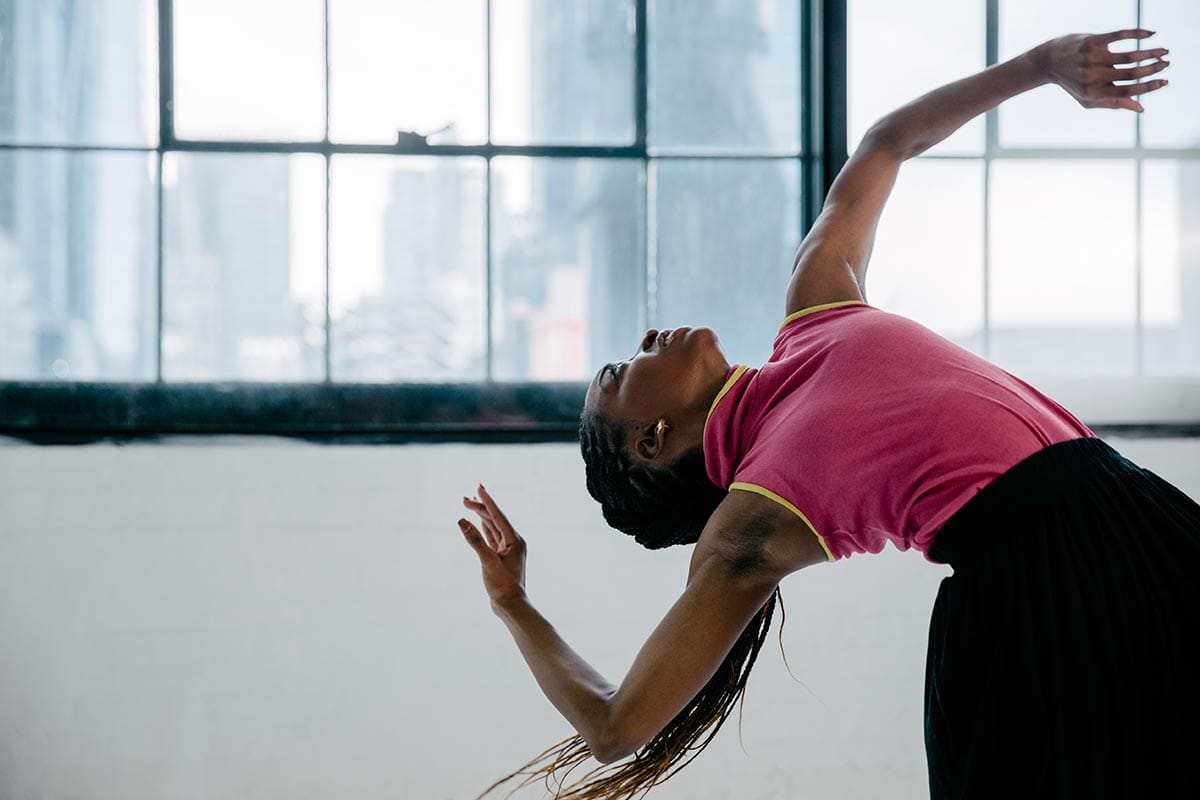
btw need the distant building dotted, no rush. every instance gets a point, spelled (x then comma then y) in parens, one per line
(427, 322)
(76, 230)
(226, 272)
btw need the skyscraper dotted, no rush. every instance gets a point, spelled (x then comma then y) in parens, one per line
(75, 237)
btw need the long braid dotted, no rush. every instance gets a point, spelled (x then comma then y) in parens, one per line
(659, 508)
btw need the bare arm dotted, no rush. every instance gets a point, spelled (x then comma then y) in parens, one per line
(676, 661)
(724, 591)
(832, 260)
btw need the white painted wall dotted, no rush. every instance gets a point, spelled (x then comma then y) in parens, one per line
(233, 619)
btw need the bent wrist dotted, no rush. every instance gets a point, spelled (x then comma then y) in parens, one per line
(1041, 64)
(511, 604)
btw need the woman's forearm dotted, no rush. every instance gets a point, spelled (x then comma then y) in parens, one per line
(578, 692)
(917, 126)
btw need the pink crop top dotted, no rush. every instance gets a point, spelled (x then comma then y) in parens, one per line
(873, 428)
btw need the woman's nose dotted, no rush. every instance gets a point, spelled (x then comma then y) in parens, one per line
(649, 338)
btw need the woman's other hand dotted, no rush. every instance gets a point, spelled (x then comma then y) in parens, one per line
(1082, 64)
(500, 548)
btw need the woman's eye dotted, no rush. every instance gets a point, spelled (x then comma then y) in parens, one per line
(616, 370)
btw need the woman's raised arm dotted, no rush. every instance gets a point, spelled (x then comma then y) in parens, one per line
(831, 263)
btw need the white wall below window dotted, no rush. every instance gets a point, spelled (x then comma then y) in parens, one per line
(258, 618)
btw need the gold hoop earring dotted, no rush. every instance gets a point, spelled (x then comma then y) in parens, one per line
(662, 426)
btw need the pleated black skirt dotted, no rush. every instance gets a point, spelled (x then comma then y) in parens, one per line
(1062, 659)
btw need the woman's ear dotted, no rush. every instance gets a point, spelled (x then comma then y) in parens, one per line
(650, 440)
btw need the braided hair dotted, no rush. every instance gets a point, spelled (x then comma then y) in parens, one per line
(659, 508)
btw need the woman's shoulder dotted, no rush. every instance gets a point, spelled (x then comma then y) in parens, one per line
(753, 528)
(794, 320)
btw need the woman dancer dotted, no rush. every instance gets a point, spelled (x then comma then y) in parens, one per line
(1060, 658)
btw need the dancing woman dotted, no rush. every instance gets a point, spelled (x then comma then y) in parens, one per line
(1061, 657)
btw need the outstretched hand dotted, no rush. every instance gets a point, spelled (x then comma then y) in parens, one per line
(1084, 66)
(500, 548)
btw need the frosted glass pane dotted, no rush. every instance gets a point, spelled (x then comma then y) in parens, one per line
(249, 70)
(243, 269)
(77, 255)
(1171, 267)
(727, 233)
(407, 287)
(884, 68)
(1062, 277)
(724, 76)
(1048, 116)
(1171, 118)
(79, 73)
(928, 258)
(562, 73)
(407, 65)
(568, 265)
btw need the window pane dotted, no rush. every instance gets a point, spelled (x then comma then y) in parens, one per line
(243, 269)
(1171, 266)
(77, 276)
(249, 70)
(1171, 119)
(407, 65)
(1062, 282)
(568, 266)
(1048, 116)
(79, 73)
(724, 75)
(562, 73)
(928, 258)
(407, 280)
(727, 232)
(900, 51)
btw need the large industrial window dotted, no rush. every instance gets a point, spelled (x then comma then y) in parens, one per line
(431, 220)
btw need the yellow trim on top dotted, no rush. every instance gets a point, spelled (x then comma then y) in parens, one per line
(804, 311)
(765, 492)
(737, 373)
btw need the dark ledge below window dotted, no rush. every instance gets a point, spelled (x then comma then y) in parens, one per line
(77, 413)
(81, 413)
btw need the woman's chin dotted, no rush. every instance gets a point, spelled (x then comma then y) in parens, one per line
(710, 337)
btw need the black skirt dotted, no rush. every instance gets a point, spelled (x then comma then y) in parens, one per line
(1062, 656)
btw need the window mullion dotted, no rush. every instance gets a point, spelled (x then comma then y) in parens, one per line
(328, 208)
(641, 93)
(489, 289)
(990, 146)
(158, 266)
(1138, 332)
(835, 88)
(641, 103)
(166, 137)
(166, 74)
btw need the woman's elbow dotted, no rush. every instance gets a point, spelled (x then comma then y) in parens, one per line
(607, 749)
(889, 135)
(614, 745)
(606, 756)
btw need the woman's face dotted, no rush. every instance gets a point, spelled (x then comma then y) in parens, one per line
(673, 375)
